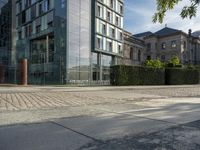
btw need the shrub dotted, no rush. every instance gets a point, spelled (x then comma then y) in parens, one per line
(154, 63)
(133, 75)
(175, 61)
(179, 76)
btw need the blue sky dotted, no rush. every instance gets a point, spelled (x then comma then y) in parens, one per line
(138, 17)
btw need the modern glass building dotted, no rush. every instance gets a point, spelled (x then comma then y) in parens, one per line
(69, 41)
(7, 41)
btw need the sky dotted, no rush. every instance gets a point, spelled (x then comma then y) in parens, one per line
(138, 17)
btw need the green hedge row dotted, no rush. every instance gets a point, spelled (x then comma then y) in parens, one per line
(178, 76)
(133, 75)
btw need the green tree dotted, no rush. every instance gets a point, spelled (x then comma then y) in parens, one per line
(165, 5)
(175, 61)
(154, 63)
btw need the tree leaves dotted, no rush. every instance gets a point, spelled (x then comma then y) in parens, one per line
(166, 5)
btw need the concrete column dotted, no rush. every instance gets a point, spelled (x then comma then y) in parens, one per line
(100, 66)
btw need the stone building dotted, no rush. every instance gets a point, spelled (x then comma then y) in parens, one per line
(134, 49)
(168, 42)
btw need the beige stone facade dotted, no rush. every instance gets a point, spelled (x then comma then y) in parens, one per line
(167, 42)
(166, 47)
(134, 50)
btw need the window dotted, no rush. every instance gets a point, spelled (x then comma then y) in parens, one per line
(51, 49)
(99, 11)
(33, 12)
(139, 55)
(38, 28)
(120, 36)
(131, 53)
(163, 45)
(117, 21)
(111, 3)
(119, 49)
(112, 32)
(148, 57)
(19, 7)
(148, 46)
(40, 9)
(19, 35)
(50, 24)
(23, 17)
(184, 44)
(109, 17)
(121, 9)
(173, 44)
(99, 43)
(109, 46)
(103, 29)
(163, 58)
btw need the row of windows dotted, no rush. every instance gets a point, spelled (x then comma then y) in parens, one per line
(34, 11)
(36, 26)
(106, 44)
(108, 15)
(116, 5)
(135, 55)
(39, 51)
(21, 5)
(173, 44)
(108, 30)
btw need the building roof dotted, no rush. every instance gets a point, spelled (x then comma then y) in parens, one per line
(160, 33)
(196, 34)
(167, 31)
(144, 34)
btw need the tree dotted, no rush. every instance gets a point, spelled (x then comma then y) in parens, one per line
(165, 5)
(175, 61)
(154, 63)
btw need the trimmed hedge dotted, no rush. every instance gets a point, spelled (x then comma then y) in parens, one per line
(178, 76)
(133, 75)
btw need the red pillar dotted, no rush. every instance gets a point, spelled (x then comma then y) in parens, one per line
(23, 72)
(2, 74)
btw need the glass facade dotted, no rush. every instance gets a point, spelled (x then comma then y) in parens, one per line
(79, 40)
(7, 41)
(69, 41)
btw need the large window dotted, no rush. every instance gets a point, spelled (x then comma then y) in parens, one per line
(163, 45)
(173, 44)
(99, 43)
(39, 52)
(148, 46)
(106, 62)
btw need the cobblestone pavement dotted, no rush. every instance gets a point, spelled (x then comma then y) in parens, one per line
(16, 98)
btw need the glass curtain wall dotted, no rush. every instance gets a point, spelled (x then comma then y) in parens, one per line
(60, 55)
(79, 41)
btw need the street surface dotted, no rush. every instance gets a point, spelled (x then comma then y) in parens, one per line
(100, 118)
